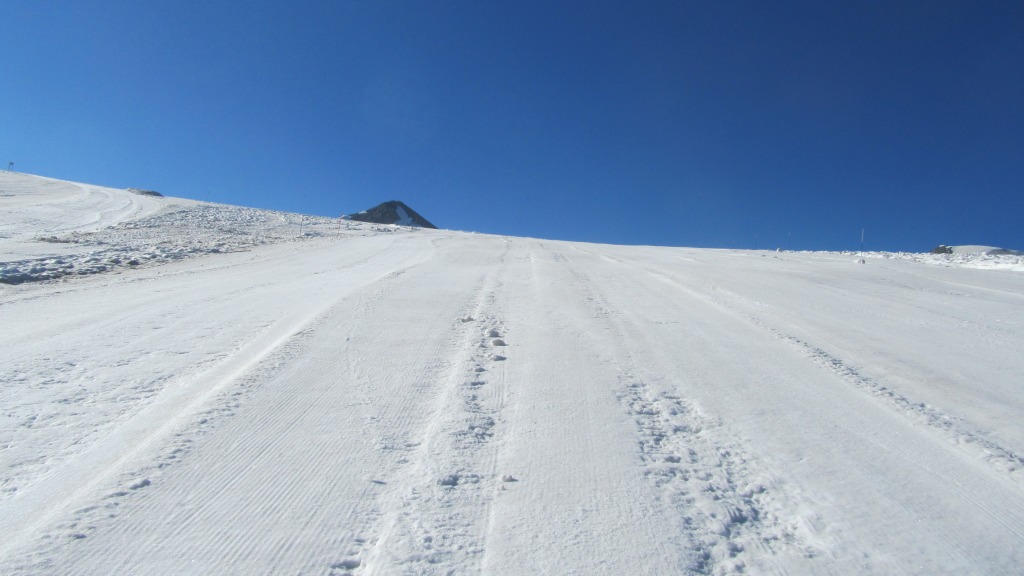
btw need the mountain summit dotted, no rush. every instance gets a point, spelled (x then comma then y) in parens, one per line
(392, 212)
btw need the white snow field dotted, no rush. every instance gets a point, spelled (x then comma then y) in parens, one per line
(266, 393)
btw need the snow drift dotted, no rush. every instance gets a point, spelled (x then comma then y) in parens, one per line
(288, 394)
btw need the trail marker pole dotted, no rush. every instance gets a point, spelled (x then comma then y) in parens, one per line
(10, 166)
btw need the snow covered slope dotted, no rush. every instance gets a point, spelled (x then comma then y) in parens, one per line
(55, 229)
(33, 206)
(380, 400)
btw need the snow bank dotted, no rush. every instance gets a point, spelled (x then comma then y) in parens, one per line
(142, 233)
(987, 259)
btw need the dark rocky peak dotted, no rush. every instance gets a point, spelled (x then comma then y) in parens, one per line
(392, 212)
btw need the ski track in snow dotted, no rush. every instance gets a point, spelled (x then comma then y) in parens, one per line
(727, 304)
(1001, 457)
(271, 393)
(722, 503)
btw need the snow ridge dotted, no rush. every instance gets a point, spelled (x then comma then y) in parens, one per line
(175, 233)
(1009, 260)
(1000, 457)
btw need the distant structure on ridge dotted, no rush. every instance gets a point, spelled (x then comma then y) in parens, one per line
(974, 249)
(391, 212)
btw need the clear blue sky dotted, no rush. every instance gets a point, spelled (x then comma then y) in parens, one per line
(712, 124)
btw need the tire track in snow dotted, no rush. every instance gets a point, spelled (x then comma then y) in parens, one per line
(724, 505)
(326, 489)
(291, 429)
(49, 498)
(55, 202)
(876, 428)
(79, 396)
(579, 505)
(78, 393)
(435, 518)
(999, 457)
(104, 215)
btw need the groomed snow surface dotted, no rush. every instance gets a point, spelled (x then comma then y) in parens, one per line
(266, 393)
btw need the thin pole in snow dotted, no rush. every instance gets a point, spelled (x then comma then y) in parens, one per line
(862, 241)
(10, 166)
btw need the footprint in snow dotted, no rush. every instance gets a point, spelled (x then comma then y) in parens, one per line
(347, 564)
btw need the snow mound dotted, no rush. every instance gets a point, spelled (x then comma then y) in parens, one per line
(988, 259)
(53, 229)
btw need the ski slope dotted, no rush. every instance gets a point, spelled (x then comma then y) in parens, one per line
(288, 394)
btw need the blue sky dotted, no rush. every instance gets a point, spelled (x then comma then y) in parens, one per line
(710, 124)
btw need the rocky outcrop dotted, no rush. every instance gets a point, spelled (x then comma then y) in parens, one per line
(392, 212)
(142, 192)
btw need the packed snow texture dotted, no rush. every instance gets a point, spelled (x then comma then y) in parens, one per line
(266, 393)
